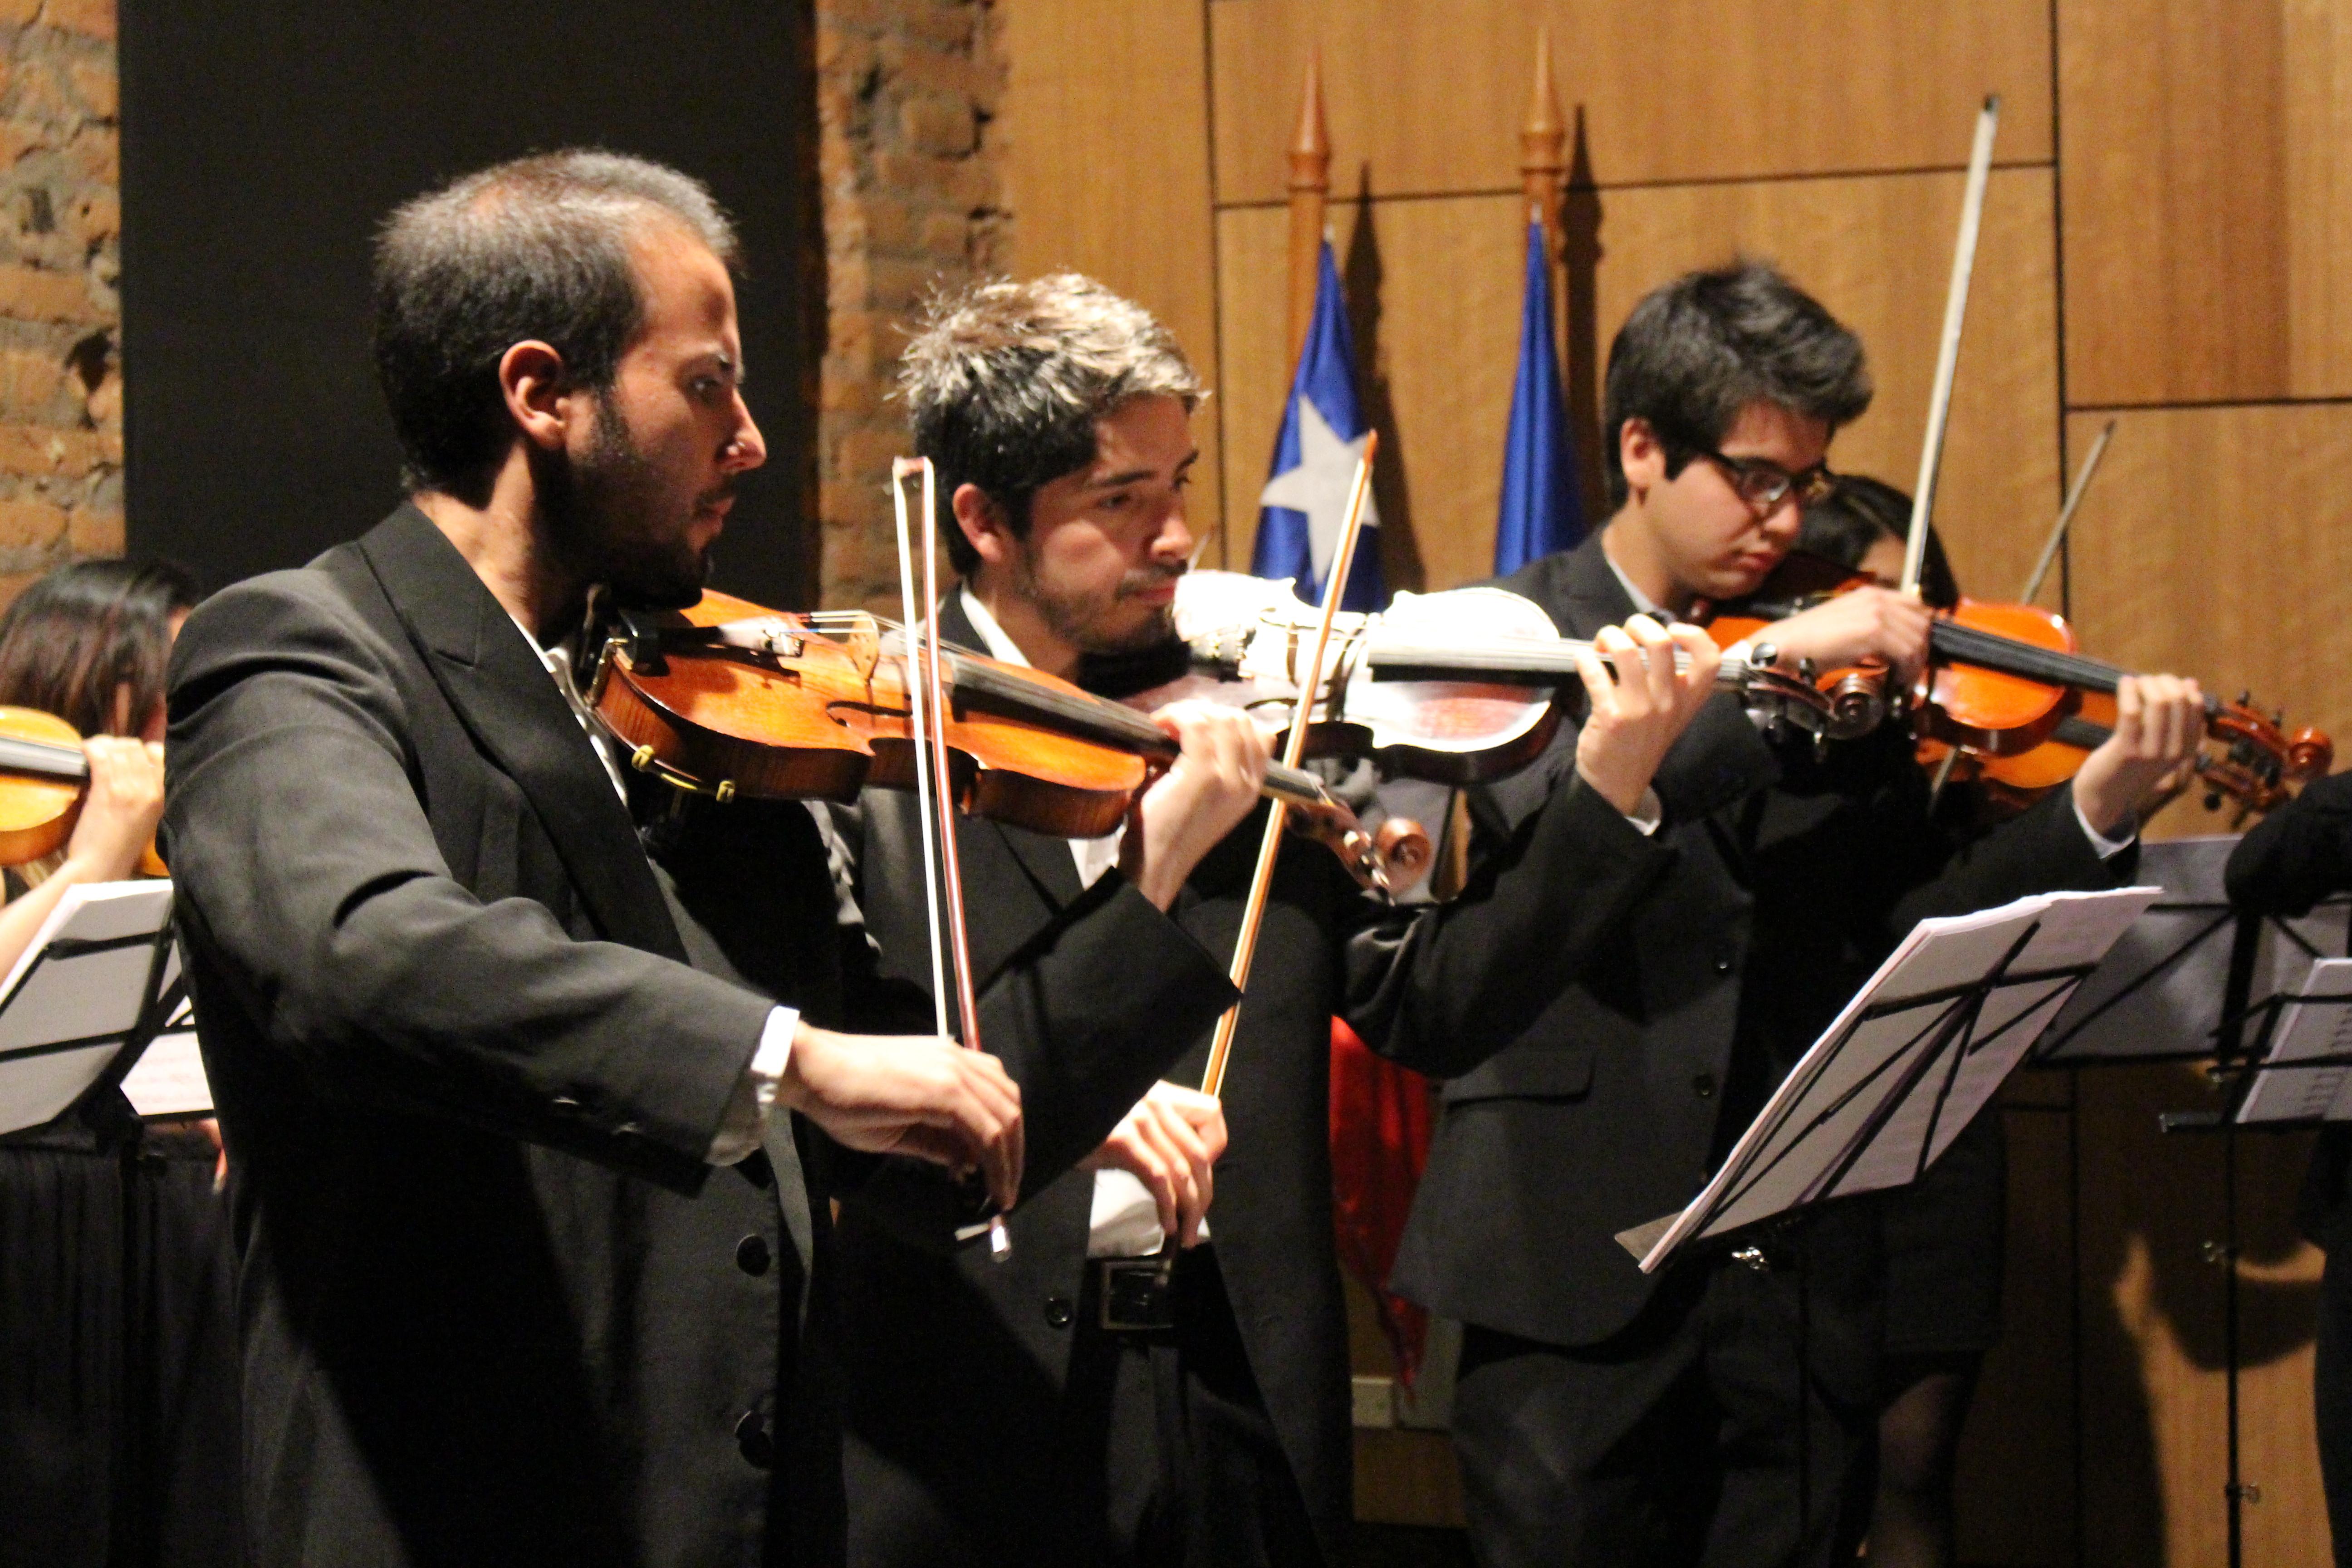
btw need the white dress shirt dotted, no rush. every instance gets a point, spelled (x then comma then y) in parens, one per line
(1126, 1218)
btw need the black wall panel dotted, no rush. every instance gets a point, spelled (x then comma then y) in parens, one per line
(262, 141)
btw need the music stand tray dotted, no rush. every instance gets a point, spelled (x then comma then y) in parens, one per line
(85, 999)
(2168, 990)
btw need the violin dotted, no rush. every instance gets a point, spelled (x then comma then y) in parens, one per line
(1455, 688)
(44, 777)
(731, 700)
(2007, 689)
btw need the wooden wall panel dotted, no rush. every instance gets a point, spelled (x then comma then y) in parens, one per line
(2209, 211)
(1877, 252)
(2212, 543)
(2155, 1412)
(1434, 290)
(1112, 182)
(1429, 95)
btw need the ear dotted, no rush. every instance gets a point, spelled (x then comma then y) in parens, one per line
(530, 380)
(984, 524)
(1641, 456)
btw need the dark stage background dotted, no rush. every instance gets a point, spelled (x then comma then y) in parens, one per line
(263, 142)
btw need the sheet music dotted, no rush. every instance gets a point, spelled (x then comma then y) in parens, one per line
(168, 1080)
(2305, 1032)
(63, 1018)
(1789, 1154)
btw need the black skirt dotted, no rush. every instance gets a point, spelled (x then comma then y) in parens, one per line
(1944, 1240)
(118, 1436)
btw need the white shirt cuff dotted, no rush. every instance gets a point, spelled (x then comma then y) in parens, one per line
(2107, 848)
(1647, 812)
(755, 1094)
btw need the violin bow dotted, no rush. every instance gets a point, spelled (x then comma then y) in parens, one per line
(934, 782)
(2066, 514)
(1948, 356)
(1343, 560)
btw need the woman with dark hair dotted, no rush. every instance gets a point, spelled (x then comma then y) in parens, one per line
(118, 1421)
(1944, 1235)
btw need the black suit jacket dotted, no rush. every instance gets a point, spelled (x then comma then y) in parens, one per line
(2287, 862)
(470, 1050)
(1778, 881)
(960, 1445)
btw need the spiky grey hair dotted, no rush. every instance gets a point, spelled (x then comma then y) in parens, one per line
(1005, 381)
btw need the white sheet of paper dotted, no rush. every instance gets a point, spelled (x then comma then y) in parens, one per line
(2304, 1032)
(95, 997)
(1829, 1097)
(168, 1078)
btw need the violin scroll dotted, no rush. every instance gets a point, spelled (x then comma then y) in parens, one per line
(2258, 761)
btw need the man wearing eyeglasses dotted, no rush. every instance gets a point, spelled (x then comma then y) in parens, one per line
(1605, 1415)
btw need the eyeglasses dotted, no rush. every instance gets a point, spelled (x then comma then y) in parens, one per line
(1764, 484)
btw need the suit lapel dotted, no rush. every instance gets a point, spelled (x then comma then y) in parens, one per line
(505, 697)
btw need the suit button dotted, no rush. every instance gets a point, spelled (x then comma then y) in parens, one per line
(1058, 1312)
(752, 1440)
(1704, 1086)
(751, 1254)
(1723, 963)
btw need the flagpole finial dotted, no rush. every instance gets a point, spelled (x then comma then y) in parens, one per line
(1543, 145)
(1310, 185)
(1310, 146)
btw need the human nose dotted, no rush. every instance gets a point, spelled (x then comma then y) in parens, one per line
(1173, 542)
(747, 449)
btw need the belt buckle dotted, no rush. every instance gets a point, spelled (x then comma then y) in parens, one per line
(1137, 1293)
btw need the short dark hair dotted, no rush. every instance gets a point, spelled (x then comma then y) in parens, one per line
(88, 629)
(1856, 514)
(1698, 350)
(1005, 381)
(538, 247)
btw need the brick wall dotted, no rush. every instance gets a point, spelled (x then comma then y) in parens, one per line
(60, 215)
(906, 91)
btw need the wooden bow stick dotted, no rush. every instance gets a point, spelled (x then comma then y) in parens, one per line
(934, 782)
(1213, 1082)
(1948, 356)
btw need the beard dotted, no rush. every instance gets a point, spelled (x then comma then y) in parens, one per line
(615, 520)
(1088, 624)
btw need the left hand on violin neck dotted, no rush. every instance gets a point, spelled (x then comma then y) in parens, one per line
(1206, 793)
(2160, 722)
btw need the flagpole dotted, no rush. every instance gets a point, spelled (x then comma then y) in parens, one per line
(1310, 189)
(1543, 156)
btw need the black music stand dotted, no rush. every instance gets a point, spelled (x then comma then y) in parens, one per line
(2186, 984)
(1904, 1068)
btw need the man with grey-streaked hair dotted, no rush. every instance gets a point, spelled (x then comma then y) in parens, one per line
(1146, 1382)
(1005, 381)
(532, 1123)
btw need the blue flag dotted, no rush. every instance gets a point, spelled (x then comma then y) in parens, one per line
(1540, 513)
(1304, 502)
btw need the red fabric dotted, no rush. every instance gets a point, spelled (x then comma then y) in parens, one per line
(1379, 1145)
